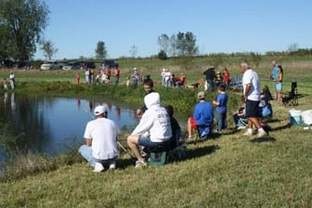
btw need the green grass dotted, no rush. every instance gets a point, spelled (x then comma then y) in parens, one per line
(230, 171)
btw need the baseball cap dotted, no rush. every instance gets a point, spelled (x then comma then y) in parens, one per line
(98, 110)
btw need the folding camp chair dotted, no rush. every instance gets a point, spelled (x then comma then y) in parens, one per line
(291, 98)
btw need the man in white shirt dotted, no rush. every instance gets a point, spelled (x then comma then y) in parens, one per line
(251, 87)
(100, 135)
(155, 123)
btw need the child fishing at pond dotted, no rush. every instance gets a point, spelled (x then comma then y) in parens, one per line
(221, 108)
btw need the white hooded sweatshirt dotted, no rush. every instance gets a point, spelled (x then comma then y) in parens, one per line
(155, 120)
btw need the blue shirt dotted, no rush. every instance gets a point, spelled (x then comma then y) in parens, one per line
(203, 113)
(275, 72)
(222, 99)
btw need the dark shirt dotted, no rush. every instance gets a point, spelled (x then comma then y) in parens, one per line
(210, 74)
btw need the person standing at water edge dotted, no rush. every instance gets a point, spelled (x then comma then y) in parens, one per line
(100, 136)
(155, 122)
(251, 90)
(12, 80)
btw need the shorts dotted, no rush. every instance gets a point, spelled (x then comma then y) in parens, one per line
(278, 86)
(146, 142)
(192, 122)
(252, 109)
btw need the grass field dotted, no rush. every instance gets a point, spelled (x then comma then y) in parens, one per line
(228, 171)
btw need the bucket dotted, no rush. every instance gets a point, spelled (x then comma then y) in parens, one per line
(295, 117)
(307, 117)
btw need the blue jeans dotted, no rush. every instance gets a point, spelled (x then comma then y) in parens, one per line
(221, 120)
(86, 152)
(204, 131)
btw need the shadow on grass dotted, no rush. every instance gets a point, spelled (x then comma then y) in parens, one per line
(274, 120)
(200, 152)
(285, 126)
(188, 155)
(263, 139)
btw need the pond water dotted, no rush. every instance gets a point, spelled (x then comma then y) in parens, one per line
(52, 125)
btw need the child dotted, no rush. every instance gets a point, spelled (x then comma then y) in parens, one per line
(239, 117)
(221, 108)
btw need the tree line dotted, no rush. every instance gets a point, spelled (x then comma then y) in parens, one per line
(180, 44)
(22, 23)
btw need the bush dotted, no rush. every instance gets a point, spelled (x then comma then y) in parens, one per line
(162, 55)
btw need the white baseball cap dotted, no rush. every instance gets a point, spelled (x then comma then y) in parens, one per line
(98, 110)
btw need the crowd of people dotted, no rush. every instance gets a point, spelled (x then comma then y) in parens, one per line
(104, 75)
(158, 129)
(169, 79)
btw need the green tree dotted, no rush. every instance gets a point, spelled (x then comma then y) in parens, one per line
(100, 51)
(164, 43)
(162, 55)
(48, 49)
(23, 21)
(173, 45)
(186, 44)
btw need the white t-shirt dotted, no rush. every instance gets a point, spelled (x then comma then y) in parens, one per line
(167, 75)
(252, 78)
(103, 133)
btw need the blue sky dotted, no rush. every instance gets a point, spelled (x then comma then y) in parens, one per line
(75, 26)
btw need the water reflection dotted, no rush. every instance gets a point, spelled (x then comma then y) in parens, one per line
(54, 124)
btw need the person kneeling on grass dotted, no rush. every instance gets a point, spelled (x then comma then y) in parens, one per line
(156, 122)
(203, 114)
(100, 136)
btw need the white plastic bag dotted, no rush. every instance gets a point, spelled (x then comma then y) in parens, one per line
(307, 117)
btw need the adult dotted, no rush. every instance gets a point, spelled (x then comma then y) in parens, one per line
(135, 78)
(168, 78)
(12, 80)
(162, 76)
(226, 77)
(277, 77)
(5, 84)
(203, 115)
(155, 122)
(148, 86)
(87, 72)
(251, 91)
(210, 76)
(77, 78)
(100, 148)
(117, 74)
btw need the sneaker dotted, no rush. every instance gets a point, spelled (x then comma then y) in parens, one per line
(98, 167)
(241, 127)
(248, 132)
(261, 133)
(112, 166)
(140, 163)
